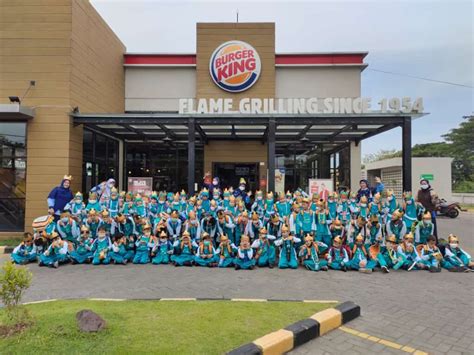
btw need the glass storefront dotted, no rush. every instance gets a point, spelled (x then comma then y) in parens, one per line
(12, 176)
(100, 159)
(167, 164)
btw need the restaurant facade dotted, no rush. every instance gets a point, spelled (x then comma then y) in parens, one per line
(75, 102)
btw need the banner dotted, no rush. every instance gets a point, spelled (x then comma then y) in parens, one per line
(280, 180)
(322, 187)
(140, 185)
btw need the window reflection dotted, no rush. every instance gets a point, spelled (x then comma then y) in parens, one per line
(12, 176)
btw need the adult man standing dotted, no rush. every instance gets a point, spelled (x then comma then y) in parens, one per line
(59, 197)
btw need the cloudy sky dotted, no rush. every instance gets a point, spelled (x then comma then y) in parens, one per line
(428, 39)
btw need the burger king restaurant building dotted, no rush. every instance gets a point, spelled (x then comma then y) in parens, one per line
(235, 108)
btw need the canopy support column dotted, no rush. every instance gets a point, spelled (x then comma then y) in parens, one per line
(191, 155)
(271, 154)
(406, 153)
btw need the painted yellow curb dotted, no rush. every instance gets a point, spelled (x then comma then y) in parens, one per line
(388, 343)
(278, 342)
(178, 299)
(328, 320)
(249, 300)
(42, 301)
(106, 299)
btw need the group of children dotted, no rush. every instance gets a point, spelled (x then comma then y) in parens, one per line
(226, 229)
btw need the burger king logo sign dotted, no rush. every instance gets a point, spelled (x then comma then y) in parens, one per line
(235, 66)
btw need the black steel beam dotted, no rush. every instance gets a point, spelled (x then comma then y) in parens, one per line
(168, 132)
(202, 134)
(406, 154)
(377, 131)
(339, 131)
(101, 130)
(139, 134)
(303, 132)
(271, 154)
(191, 155)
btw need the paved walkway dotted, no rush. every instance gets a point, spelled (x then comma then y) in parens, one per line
(428, 312)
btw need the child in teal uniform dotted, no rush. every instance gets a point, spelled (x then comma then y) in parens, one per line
(78, 208)
(283, 206)
(424, 229)
(92, 203)
(183, 254)
(107, 222)
(360, 258)
(410, 208)
(162, 250)
(67, 228)
(206, 254)
(397, 226)
(288, 244)
(309, 254)
(307, 223)
(113, 203)
(56, 253)
(374, 230)
(120, 254)
(264, 249)
(25, 252)
(101, 247)
(332, 205)
(143, 245)
(409, 252)
(244, 259)
(226, 252)
(192, 226)
(431, 255)
(92, 221)
(389, 257)
(338, 257)
(83, 252)
(455, 258)
(323, 221)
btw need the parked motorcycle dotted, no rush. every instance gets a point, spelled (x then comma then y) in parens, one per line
(448, 209)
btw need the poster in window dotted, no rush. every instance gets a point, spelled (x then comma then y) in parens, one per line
(322, 187)
(140, 185)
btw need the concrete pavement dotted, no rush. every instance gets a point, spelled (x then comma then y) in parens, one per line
(428, 312)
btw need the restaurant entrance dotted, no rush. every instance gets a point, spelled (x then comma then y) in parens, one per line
(230, 174)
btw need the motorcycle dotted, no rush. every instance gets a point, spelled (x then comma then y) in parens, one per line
(448, 209)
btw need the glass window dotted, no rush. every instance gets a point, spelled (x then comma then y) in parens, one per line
(100, 154)
(12, 176)
(87, 145)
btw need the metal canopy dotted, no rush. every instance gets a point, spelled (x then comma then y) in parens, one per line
(297, 134)
(299, 131)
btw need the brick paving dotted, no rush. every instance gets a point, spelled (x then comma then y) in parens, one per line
(429, 312)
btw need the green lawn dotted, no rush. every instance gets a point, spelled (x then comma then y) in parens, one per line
(13, 242)
(164, 327)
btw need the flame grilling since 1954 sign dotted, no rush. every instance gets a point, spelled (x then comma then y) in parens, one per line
(235, 66)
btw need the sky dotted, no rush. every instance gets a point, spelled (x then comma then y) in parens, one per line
(428, 39)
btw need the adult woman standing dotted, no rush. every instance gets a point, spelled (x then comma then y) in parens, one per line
(364, 190)
(430, 201)
(59, 197)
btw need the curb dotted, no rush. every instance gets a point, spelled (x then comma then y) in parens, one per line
(6, 250)
(164, 299)
(301, 332)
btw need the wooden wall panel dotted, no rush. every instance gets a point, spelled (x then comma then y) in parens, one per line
(76, 60)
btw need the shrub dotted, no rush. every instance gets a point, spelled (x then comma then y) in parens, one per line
(14, 281)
